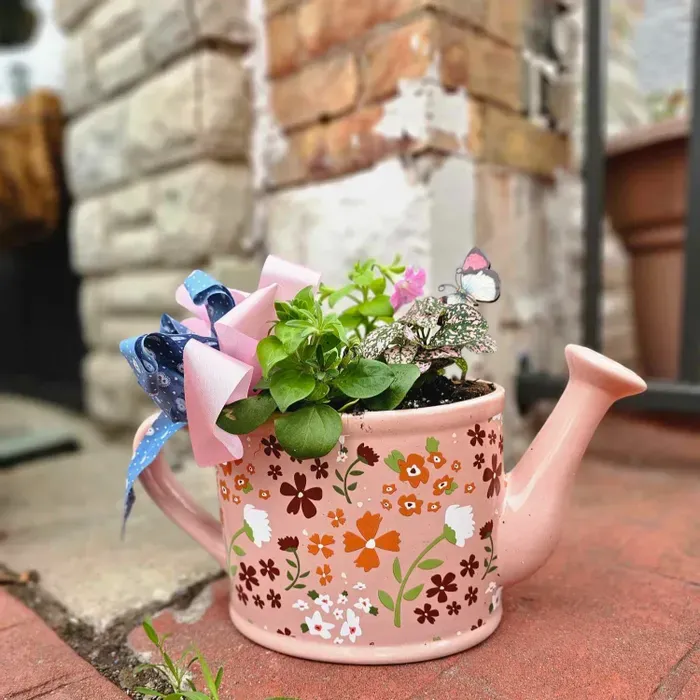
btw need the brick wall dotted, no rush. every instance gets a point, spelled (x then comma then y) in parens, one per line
(157, 153)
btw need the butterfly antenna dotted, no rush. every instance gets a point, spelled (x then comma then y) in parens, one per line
(443, 287)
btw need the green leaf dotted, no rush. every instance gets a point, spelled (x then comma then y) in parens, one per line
(206, 672)
(491, 569)
(219, 677)
(385, 600)
(405, 376)
(299, 585)
(378, 286)
(486, 563)
(305, 574)
(292, 563)
(192, 695)
(432, 445)
(248, 531)
(150, 632)
(313, 595)
(430, 564)
(289, 386)
(290, 577)
(363, 278)
(304, 627)
(450, 534)
(320, 392)
(352, 487)
(305, 298)
(379, 306)
(397, 570)
(309, 432)
(337, 489)
(233, 569)
(339, 294)
(356, 472)
(338, 475)
(373, 610)
(364, 379)
(292, 337)
(149, 693)
(392, 461)
(451, 489)
(239, 550)
(270, 351)
(488, 549)
(413, 593)
(244, 416)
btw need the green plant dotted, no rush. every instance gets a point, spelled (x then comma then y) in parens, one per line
(177, 673)
(367, 290)
(432, 334)
(312, 372)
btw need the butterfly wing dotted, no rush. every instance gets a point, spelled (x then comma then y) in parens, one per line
(476, 260)
(483, 285)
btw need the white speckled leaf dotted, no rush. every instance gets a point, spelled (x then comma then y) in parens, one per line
(400, 354)
(425, 313)
(379, 340)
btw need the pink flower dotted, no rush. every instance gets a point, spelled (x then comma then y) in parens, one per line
(408, 288)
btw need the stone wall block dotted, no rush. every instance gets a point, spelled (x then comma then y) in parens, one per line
(199, 106)
(236, 271)
(122, 66)
(202, 209)
(142, 291)
(95, 149)
(135, 248)
(129, 207)
(226, 21)
(88, 236)
(114, 329)
(81, 87)
(114, 22)
(69, 13)
(91, 310)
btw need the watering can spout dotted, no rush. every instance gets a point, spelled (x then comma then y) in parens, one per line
(538, 489)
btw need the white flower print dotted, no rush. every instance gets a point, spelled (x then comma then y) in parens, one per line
(491, 587)
(351, 627)
(338, 614)
(359, 586)
(364, 604)
(342, 456)
(325, 602)
(151, 431)
(149, 366)
(338, 640)
(459, 524)
(180, 403)
(496, 600)
(181, 368)
(318, 627)
(342, 599)
(301, 605)
(163, 379)
(259, 524)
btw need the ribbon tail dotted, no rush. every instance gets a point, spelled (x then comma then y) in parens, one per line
(156, 436)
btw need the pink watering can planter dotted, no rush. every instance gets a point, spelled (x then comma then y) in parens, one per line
(396, 546)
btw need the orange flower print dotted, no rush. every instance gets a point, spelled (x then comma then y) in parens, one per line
(413, 470)
(437, 460)
(250, 469)
(456, 466)
(408, 505)
(434, 507)
(236, 498)
(469, 488)
(320, 543)
(337, 517)
(324, 574)
(227, 468)
(441, 485)
(240, 482)
(386, 504)
(389, 489)
(264, 494)
(368, 542)
(225, 491)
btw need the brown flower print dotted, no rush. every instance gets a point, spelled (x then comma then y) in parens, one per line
(492, 437)
(240, 482)
(324, 574)
(288, 544)
(264, 494)
(275, 599)
(478, 624)
(321, 544)
(268, 568)
(479, 460)
(408, 505)
(367, 455)
(275, 471)
(272, 447)
(250, 469)
(441, 485)
(227, 468)
(386, 504)
(471, 596)
(225, 492)
(413, 470)
(236, 499)
(337, 517)
(259, 602)
(302, 498)
(427, 612)
(286, 632)
(320, 469)
(434, 507)
(470, 566)
(492, 474)
(486, 530)
(477, 435)
(453, 608)
(368, 541)
(500, 444)
(242, 595)
(248, 577)
(456, 466)
(437, 460)
(442, 585)
(470, 487)
(389, 489)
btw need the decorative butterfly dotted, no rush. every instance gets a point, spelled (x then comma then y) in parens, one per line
(476, 281)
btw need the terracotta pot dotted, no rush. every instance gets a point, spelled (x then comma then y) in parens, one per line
(646, 193)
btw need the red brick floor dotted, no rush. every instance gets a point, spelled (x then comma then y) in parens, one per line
(615, 614)
(35, 663)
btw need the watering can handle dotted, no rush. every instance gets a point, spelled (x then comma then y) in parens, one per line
(169, 495)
